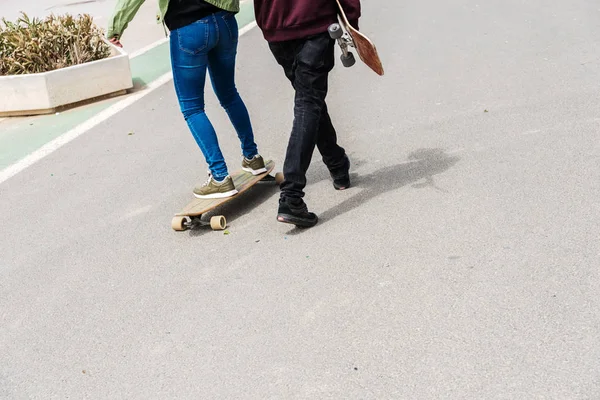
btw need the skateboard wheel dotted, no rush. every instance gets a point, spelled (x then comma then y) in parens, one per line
(348, 61)
(335, 31)
(178, 224)
(279, 178)
(218, 223)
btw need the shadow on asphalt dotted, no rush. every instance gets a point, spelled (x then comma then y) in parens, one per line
(237, 207)
(419, 171)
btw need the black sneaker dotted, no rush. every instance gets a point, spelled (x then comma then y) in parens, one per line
(295, 212)
(341, 177)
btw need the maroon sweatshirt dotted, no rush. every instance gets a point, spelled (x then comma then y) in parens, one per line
(282, 20)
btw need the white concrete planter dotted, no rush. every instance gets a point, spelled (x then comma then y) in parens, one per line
(43, 93)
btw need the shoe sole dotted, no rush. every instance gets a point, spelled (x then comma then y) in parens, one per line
(293, 220)
(341, 187)
(255, 171)
(216, 195)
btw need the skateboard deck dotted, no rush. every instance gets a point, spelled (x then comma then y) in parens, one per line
(190, 216)
(353, 38)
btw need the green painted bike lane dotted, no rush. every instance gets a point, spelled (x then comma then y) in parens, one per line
(21, 136)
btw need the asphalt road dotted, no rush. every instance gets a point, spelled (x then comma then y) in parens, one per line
(463, 264)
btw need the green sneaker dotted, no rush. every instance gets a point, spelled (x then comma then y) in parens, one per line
(255, 166)
(212, 189)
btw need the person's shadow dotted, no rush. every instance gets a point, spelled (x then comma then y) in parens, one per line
(420, 168)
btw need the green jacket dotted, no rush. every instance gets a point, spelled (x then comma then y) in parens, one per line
(125, 10)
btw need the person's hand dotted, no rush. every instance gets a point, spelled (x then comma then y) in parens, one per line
(116, 42)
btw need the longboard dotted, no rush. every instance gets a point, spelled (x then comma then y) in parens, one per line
(350, 37)
(190, 216)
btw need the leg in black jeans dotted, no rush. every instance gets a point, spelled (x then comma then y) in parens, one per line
(333, 155)
(307, 63)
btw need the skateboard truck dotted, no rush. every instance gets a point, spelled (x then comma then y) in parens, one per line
(344, 40)
(181, 223)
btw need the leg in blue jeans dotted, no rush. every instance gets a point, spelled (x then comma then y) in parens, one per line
(210, 43)
(221, 66)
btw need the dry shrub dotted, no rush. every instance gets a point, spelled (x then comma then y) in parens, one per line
(32, 45)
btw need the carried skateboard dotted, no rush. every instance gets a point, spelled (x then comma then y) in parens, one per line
(191, 215)
(350, 37)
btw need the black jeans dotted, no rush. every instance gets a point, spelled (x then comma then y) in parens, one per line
(307, 63)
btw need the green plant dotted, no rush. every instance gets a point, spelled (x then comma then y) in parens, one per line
(33, 45)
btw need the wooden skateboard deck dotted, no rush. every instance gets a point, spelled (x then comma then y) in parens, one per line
(364, 47)
(190, 215)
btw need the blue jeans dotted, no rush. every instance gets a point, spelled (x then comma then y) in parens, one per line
(210, 43)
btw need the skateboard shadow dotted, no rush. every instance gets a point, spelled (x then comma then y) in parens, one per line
(419, 171)
(237, 207)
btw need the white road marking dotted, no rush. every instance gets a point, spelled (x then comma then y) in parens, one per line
(146, 49)
(79, 130)
(248, 28)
